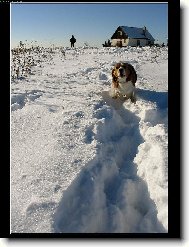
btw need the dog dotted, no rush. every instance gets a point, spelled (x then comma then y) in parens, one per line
(124, 78)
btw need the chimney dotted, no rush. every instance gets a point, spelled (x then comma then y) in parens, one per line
(144, 31)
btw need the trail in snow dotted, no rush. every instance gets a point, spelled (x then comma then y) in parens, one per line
(108, 196)
(81, 161)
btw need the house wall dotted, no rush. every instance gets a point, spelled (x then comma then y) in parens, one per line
(129, 42)
(124, 42)
(133, 42)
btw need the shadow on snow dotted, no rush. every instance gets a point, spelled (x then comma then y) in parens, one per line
(160, 98)
(108, 196)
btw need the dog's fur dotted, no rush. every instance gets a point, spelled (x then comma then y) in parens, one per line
(124, 78)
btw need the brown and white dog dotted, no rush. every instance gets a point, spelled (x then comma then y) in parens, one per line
(124, 78)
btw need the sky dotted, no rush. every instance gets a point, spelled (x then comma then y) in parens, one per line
(54, 23)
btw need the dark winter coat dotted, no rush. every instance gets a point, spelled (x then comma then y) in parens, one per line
(72, 40)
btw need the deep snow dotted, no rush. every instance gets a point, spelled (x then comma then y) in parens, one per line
(81, 161)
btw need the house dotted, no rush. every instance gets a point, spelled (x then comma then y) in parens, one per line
(131, 36)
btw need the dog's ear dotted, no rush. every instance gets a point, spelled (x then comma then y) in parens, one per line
(132, 76)
(113, 72)
(114, 77)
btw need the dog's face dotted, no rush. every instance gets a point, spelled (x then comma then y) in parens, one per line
(123, 72)
(120, 72)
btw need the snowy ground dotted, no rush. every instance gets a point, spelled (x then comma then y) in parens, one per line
(81, 161)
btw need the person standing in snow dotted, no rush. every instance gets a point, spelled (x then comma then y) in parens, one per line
(72, 40)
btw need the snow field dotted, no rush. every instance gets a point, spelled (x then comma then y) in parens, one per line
(81, 161)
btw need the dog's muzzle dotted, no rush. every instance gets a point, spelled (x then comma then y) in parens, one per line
(121, 72)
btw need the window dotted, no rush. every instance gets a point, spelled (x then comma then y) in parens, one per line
(120, 33)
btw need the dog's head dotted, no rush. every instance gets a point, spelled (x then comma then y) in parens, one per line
(121, 72)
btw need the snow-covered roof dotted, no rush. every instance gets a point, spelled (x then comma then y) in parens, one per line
(137, 33)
